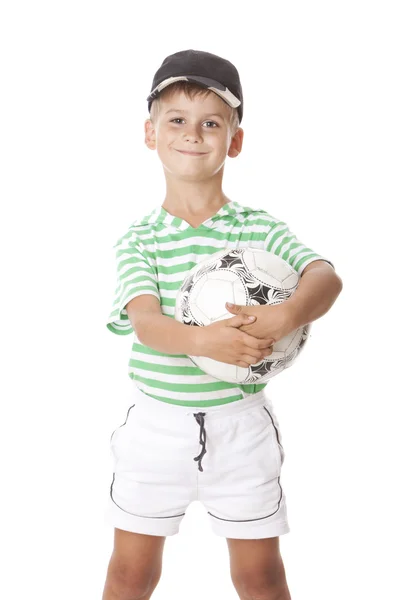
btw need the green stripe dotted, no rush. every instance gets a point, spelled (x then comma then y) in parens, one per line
(190, 388)
(252, 388)
(138, 289)
(182, 268)
(167, 369)
(118, 330)
(127, 250)
(216, 402)
(284, 241)
(140, 278)
(168, 302)
(146, 269)
(176, 221)
(131, 260)
(147, 350)
(139, 263)
(163, 285)
(116, 313)
(147, 217)
(287, 252)
(230, 210)
(124, 237)
(275, 237)
(194, 249)
(298, 264)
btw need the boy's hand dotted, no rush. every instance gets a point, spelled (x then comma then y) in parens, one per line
(273, 322)
(224, 342)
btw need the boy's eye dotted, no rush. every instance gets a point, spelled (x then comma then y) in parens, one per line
(179, 119)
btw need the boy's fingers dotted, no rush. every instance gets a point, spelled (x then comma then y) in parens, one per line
(259, 344)
(252, 341)
(241, 320)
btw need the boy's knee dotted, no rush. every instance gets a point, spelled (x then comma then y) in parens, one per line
(128, 582)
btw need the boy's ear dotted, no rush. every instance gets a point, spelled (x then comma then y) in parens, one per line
(149, 134)
(236, 143)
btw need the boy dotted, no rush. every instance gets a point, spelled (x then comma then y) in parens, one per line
(189, 436)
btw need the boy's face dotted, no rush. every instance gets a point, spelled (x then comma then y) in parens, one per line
(193, 126)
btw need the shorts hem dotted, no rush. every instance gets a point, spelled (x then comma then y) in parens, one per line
(246, 531)
(116, 517)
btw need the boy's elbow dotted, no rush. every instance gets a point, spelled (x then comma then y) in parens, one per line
(141, 312)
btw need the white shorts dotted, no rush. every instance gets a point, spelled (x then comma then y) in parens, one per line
(228, 457)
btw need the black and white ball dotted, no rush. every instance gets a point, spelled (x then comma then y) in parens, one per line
(245, 276)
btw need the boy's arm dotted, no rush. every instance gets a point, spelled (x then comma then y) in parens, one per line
(162, 333)
(318, 289)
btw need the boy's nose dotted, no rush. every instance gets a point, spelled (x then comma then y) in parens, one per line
(192, 131)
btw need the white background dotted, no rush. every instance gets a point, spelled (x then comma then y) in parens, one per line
(321, 152)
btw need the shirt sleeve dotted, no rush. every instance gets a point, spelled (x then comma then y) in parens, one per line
(282, 242)
(135, 276)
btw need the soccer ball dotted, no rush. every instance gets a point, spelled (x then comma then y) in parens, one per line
(245, 276)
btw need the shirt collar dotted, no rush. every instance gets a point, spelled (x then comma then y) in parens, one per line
(160, 215)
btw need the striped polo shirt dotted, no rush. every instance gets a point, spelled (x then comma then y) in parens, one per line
(154, 257)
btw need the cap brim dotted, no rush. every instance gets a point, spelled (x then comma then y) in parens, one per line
(211, 84)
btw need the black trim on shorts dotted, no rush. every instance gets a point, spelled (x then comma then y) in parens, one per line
(279, 502)
(112, 483)
(276, 431)
(127, 415)
(134, 514)
(248, 520)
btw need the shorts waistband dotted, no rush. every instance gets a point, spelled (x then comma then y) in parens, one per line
(148, 404)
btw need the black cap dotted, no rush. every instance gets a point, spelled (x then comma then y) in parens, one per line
(206, 69)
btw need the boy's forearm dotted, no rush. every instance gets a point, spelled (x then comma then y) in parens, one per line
(166, 334)
(314, 296)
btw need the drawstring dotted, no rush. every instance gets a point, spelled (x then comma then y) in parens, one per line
(200, 419)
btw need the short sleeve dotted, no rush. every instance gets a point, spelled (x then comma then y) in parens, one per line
(135, 276)
(282, 242)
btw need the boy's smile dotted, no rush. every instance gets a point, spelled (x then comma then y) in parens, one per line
(192, 153)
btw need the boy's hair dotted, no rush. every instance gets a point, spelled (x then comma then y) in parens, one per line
(191, 90)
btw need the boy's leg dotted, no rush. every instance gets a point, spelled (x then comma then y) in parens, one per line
(241, 490)
(135, 566)
(257, 569)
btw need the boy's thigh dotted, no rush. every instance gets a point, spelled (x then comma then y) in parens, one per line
(256, 562)
(137, 557)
